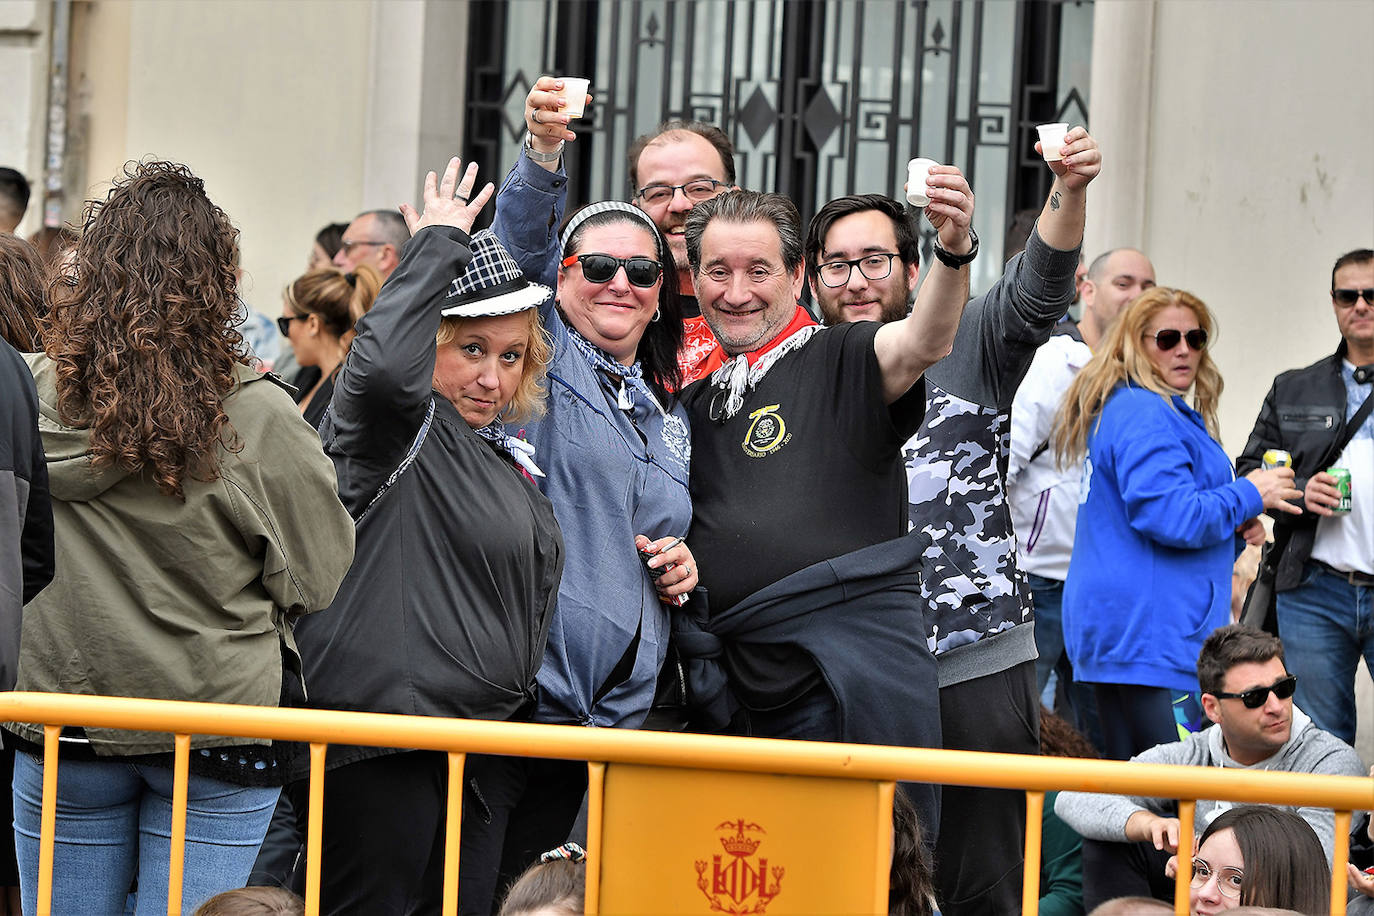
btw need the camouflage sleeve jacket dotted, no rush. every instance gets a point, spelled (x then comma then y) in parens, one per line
(956, 466)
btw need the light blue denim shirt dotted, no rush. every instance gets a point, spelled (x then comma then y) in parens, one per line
(611, 474)
(529, 212)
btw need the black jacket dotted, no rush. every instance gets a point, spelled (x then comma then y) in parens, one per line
(859, 618)
(1303, 414)
(447, 606)
(26, 533)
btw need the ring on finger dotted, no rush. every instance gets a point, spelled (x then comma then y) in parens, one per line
(534, 115)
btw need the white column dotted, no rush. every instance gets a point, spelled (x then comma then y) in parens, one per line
(1121, 95)
(24, 38)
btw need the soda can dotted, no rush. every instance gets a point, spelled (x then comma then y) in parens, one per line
(1343, 488)
(1277, 458)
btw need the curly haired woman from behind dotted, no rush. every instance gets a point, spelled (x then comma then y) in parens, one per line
(195, 519)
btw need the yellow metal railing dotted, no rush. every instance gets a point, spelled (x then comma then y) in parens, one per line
(723, 755)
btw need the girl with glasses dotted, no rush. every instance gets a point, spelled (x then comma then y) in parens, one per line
(1160, 518)
(1256, 855)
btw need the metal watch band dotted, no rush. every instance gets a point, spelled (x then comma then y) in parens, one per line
(537, 156)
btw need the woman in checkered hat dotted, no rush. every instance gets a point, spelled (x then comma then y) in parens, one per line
(447, 607)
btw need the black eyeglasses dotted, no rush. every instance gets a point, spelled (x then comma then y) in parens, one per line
(1256, 697)
(1345, 298)
(1168, 338)
(696, 190)
(600, 268)
(348, 246)
(873, 267)
(284, 323)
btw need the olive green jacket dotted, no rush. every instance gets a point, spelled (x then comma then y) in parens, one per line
(187, 600)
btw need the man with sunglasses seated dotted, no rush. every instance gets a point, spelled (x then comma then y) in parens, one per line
(1247, 692)
(1322, 561)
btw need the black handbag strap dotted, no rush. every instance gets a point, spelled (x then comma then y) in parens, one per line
(1352, 427)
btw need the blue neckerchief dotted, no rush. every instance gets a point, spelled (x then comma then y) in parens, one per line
(520, 451)
(675, 434)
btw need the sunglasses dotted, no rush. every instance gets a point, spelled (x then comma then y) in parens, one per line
(1348, 297)
(284, 323)
(1256, 697)
(600, 268)
(1168, 338)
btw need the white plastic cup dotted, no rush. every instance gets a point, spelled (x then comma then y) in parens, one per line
(575, 94)
(1051, 140)
(917, 177)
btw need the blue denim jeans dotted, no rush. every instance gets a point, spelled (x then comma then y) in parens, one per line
(1079, 703)
(1325, 624)
(114, 823)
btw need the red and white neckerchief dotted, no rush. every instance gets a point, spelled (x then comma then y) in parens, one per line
(742, 373)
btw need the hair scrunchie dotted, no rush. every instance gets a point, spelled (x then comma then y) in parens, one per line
(570, 851)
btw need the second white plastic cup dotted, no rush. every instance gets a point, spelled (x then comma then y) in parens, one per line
(917, 173)
(575, 93)
(1051, 139)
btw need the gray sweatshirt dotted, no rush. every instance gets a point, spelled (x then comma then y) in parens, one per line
(1308, 750)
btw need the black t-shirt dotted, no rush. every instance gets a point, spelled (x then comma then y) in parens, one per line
(809, 469)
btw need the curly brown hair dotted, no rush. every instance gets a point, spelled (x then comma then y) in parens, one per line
(21, 293)
(142, 327)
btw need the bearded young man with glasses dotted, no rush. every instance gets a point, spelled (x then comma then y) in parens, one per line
(977, 606)
(1322, 561)
(671, 170)
(1247, 692)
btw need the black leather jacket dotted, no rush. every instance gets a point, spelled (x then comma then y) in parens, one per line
(1304, 414)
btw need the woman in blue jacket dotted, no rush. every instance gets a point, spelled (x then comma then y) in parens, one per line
(1158, 518)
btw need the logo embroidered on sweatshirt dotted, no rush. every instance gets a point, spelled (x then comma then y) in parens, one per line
(767, 432)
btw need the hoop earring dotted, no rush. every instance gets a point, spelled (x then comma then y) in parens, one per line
(658, 313)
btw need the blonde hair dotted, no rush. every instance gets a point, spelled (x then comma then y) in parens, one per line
(1122, 358)
(253, 901)
(339, 298)
(528, 402)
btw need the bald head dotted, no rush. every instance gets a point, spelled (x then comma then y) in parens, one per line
(1114, 278)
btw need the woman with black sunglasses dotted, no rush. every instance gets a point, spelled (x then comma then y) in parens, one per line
(614, 447)
(318, 312)
(1160, 519)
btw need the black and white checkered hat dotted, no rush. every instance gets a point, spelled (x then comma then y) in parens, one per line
(492, 284)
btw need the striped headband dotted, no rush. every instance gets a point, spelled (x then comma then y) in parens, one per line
(605, 206)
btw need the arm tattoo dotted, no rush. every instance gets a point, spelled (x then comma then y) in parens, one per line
(1054, 201)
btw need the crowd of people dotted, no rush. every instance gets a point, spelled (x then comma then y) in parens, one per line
(603, 469)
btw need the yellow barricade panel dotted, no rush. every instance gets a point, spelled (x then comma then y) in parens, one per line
(686, 841)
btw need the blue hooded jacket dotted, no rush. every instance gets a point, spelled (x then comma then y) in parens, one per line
(1151, 570)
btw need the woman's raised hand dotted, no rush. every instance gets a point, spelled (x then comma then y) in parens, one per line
(449, 201)
(1276, 489)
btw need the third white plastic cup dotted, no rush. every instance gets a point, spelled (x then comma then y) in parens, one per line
(917, 172)
(1051, 139)
(575, 93)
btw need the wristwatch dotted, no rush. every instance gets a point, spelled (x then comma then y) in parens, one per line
(537, 156)
(955, 261)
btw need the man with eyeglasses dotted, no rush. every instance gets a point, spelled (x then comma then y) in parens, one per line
(375, 237)
(671, 170)
(1322, 561)
(1247, 691)
(977, 605)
